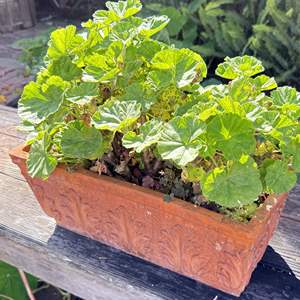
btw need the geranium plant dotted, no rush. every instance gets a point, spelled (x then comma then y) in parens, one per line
(114, 100)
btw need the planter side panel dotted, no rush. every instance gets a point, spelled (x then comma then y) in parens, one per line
(194, 247)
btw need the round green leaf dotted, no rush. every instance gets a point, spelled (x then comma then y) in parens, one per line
(83, 93)
(265, 83)
(180, 140)
(279, 178)
(153, 25)
(233, 186)
(39, 102)
(117, 115)
(232, 134)
(63, 41)
(142, 94)
(124, 9)
(149, 134)
(82, 142)
(245, 65)
(179, 67)
(241, 89)
(285, 94)
(64, 68)
(40, 163)
(292, 149)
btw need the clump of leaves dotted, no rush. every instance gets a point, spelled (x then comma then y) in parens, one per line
(267, 29)
(33, 51)
(114, 100)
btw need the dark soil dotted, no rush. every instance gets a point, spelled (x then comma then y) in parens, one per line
(148, 171)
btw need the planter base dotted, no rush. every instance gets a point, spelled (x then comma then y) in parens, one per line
(193, 241)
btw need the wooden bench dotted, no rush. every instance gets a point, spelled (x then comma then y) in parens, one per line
(31, 241)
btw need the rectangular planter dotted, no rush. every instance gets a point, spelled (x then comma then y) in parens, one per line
(193, 241)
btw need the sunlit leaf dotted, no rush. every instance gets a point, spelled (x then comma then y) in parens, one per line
(279, 178)
(153, 25)
(40, 101)
(285, 94)
(82, 142)
(178, 67)
(124, 9)
(40, 162)
(149, 134)
(180, 140)
(82, 93)
(232, 134)
(117, 115)
(234, 185)
(245, 65)
(63, 41)
(64, 68)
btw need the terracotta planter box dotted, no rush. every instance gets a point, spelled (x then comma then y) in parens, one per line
(193, 241)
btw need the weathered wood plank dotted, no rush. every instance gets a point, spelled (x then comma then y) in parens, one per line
(6, 166)
(292, 209)
(65, 273)
(8, 118)
(13, 132)
(8, 109)
(27, 12)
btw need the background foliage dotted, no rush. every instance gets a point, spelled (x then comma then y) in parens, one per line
(11, 285)
(267, 29)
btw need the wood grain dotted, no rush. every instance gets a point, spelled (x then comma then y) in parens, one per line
(31, 240)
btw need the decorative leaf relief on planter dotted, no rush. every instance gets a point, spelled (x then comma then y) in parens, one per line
(125, 228)
(183, 250)
(230, 269)
(267, 230)
(182, 238)
(62, 199)
(170, 246)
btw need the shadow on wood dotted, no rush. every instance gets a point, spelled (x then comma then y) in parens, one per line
(123, 267)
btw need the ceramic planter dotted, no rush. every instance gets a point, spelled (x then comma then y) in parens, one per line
(193, 241)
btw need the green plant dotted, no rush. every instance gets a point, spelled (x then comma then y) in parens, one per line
(33, 51)
(267, 29)
(116, 101)
(11, 285)
(276, 39)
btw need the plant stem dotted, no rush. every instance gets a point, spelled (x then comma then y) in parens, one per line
(157, 165)
(146, 160)
(5, 297)
(214, 162)
(26, 285)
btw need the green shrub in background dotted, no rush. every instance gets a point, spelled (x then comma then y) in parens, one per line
(276, 39)
(268, 29)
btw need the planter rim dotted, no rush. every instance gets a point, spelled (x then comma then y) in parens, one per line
(249, 229)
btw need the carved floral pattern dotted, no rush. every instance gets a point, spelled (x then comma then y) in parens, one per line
(197, 249)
